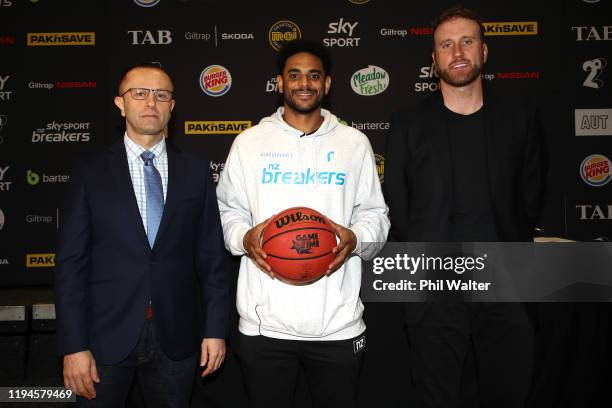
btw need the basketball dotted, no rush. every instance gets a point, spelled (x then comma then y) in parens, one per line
(299, 243)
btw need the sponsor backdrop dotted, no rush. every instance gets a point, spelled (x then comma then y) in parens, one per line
(60, 62)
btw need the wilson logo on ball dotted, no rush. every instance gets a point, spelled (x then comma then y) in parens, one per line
(297, 217)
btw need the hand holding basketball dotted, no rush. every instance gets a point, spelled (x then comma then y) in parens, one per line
(252, 244)
(348, 242)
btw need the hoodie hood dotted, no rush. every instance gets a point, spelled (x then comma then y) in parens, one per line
(330, 122)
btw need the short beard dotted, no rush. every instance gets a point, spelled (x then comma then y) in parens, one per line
(446, 77)
(304, 110)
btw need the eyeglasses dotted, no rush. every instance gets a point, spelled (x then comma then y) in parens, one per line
(161, 95)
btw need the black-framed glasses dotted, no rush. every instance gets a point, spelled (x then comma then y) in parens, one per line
(161, 95)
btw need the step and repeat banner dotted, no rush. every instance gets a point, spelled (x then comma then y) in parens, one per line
(60, 63)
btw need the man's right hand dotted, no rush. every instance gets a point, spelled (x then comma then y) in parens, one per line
(80, 373)
(252, 244)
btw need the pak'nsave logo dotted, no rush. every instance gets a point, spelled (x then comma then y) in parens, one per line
(283, 31)
(595, 170)
(215, 80)
(274, 175)
(511, 28)
(216, 127)
(40, 260)
(370, 81)
(61, 39)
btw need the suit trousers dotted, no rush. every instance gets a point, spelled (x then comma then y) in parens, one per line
(501, 338)
(164, 383)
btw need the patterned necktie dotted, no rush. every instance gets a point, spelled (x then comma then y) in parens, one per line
(155, 195)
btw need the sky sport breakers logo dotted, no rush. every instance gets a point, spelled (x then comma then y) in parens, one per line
(215, 80)
(62, 132)
(370, 81)
(595, 170)
(282, 32)
(61, 39)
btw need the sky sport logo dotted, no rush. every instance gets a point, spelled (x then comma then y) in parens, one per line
(283, 31)
(370, 81)
(595, 170)
(215, 80)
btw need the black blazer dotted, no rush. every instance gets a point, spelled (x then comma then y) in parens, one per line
(418, 181)
(106, 272)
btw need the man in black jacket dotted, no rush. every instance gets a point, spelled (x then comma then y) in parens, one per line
(465, 166)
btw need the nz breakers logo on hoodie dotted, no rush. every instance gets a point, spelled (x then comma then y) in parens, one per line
(273, 174)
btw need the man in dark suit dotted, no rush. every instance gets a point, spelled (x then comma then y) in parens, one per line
(465, 166)
(140, 235)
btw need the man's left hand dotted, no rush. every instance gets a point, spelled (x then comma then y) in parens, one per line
(213, 354)
(348, 242)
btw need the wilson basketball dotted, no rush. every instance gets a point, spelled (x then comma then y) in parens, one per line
(299, 243)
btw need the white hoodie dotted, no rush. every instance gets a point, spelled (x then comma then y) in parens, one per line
(272, 167)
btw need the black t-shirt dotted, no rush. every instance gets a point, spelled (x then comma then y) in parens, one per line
(472, 212)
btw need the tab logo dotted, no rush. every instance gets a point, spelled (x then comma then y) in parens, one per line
(40, 260)
(146, 37)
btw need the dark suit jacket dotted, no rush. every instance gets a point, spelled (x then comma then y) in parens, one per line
(418, 180)
(106, 272)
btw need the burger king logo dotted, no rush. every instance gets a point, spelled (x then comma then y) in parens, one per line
(215, 80)
(147, 3)
(595, 170)
(282, 32)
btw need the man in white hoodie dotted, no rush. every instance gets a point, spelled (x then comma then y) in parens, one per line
(301, 156)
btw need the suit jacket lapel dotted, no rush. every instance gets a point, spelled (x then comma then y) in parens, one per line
(119, 169)
(492, 144)
(436, 121)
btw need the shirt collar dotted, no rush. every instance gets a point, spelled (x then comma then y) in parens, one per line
(134, 150)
